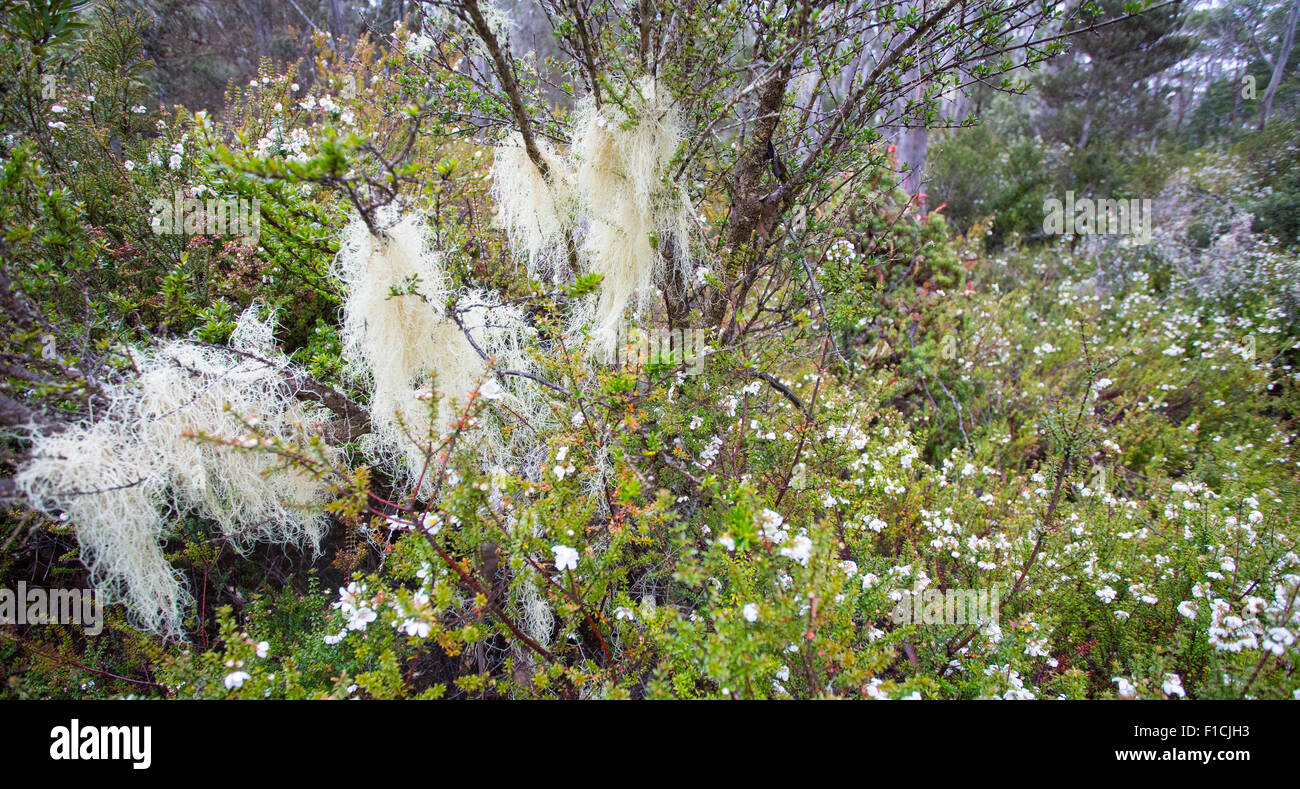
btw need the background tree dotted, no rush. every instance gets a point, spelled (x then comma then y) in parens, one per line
(1278, 63)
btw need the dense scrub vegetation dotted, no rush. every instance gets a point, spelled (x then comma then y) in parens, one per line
(900, 393)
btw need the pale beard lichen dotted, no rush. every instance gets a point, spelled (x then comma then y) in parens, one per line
(538, 618)
(124, 478)
(616, 192)
(395, 293)
(533, 209)
(640, 220)
(535, 613)
(400, 341)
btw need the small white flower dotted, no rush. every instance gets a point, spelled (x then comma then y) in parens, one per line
(1173, 685)
(236, 679)
(1126, 689)
(1036, 647)
(360, 618)
(431, 523)
(491, 390)
(800, 550)
(348, 596)
(263, 649)
(416, 627)
(565, 557)
(751, 612)
(769, 526)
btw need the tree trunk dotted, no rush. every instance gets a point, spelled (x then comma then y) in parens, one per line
(912, 147)
(1088, 108)
(1279, 65)
(1236, 98)
(912, 152)
(336, 21)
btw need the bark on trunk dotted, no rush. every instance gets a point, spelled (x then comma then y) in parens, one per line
(1279, 65)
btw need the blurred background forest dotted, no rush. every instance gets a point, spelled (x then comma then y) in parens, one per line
(1126, 105)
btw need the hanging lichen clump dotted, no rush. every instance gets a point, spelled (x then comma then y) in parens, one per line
(615, 190)
(126, 477)
(400, 340)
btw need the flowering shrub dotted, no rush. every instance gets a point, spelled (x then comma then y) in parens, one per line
(1098, 438)
(1136, 516)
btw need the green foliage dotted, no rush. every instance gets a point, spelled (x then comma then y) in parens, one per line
(1275, 164)
(1082, 429)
